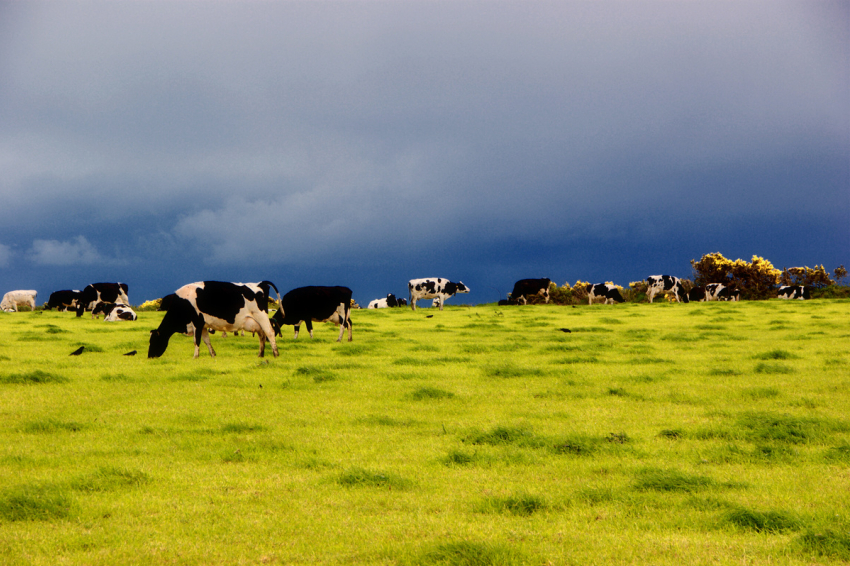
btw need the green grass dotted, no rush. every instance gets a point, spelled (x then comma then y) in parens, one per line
(705, 433)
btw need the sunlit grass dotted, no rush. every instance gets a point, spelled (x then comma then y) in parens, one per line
(664, 434)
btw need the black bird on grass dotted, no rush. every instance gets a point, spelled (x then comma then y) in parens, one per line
(78, 351)
(133, 353)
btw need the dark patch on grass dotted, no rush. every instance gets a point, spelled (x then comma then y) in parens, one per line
(35, 503)
(617, 438)
(425, 348)
(576, 445)
(710, 327)
(52, 329)
(761, 521)
(383, 420)
(825, 542)
(787, 429)
(51, 426)
(838, 454)
(649, 378)
(761, 392)
(654, 479)
(199, 374)
(242, 428)
(672, 433)
(470, 554)
(353, 349)
(508, 370)
(90, 348)
(776, 355)
(424, 393)
(591, 329)
(608, 320)
(649, 360)
(475, 349)
(523, 505)
(724, 371)
(460, 458)
(617, 392)
(109, 478)
(35, 376)
(576, 360)
(113, 377)
(502, 435)
(411, 361)
(595, 495)
(358, 477)
(773, 368)
(318, 375)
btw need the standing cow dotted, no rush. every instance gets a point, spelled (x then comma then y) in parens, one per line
(662, 283)
(609, 292)
(697, 295)
(315, 303)
(13, 299)
(525, 288)
(434, 288)
(97, 293)
(66, 300)
(214, 305)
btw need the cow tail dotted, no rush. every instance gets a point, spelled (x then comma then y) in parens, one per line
(266, 285)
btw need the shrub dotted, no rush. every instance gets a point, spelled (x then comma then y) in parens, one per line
(816, 277)
(755, 279)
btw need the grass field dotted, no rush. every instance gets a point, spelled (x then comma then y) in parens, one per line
(710, 433)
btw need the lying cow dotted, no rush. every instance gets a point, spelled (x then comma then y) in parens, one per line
(63, 300)
(608, 292)
(198, 308)
(525, 288)
(434, 288)
(113, 312)
(315, 303)
(662, 283)
(13, 299)
(96, 293)
(388, 301)
(799, 292)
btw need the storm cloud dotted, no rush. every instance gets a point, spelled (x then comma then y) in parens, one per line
(367, 143)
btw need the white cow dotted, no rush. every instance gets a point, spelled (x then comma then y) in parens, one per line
(13, 299)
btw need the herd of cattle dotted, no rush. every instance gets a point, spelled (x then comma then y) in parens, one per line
(197, 309)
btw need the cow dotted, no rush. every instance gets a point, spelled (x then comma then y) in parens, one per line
(97, 293)
(402, 302)
(434, 288)
(315, 303)
(13, 299)
(697, 295)
(63, 300)
(718, 292)
(609, 292)
(661, 283)
(525, 288)
(204, 306)
(388, 301)
(734, 295)
(799, 292)
(113, 312)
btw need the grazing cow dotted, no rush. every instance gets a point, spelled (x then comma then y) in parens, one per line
(13, 299)
(798, 292)
(388, 301)
(113, 312)
(525, 288)
(718, 292)
(214, 305)
(63, 300)
(434, 288)
(662, 283)
(315, 303)
(697, 295)
(97, 293)
(609, 292)
(734, 295)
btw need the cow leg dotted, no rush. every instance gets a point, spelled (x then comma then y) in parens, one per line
(266, 332)
(589, 299)
(206, 338)
(309, 324)
(297, 328)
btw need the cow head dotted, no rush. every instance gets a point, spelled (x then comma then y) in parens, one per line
(158, 343)
(461, 288)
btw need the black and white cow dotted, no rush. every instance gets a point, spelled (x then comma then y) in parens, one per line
(97, 293)
(663, 283)
(525, 288)
(718, 292)
(13, 299)
(697, 295)
(609, 292)
(198, 308)
(799, 292)
(388, 301)
(113, 312)
(734, 295)
(315, 303)
(434, 288)
(63, 300)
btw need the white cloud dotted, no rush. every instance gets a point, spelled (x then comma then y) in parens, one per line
(5, 255)
(78, 251)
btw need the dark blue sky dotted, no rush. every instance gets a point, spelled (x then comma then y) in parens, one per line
(366, 143)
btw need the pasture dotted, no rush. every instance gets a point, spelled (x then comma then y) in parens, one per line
(706, 433)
